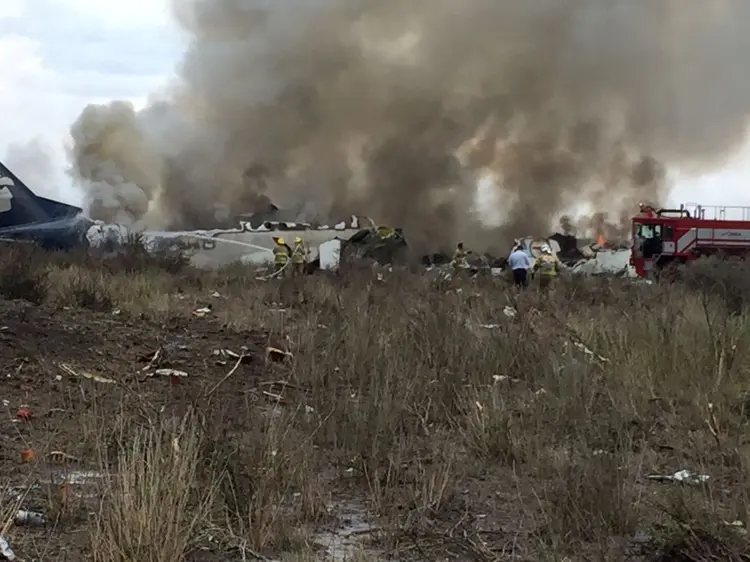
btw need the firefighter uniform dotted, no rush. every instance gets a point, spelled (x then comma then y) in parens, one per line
(280, 254)
(459, 258)
(547, 266)
(385, 232)
(299, 256)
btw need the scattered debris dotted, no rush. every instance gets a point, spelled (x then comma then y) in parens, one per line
(85, 375)
(226, 354)
(77, 477)
(503, 378)
(62, 457)
(510, 312)
(681, 476)
(738, 525)
(170, 373)
(6, 551)
(201, 312)
(277, 355)
(28, 455)
(24, 413)
(25, 517)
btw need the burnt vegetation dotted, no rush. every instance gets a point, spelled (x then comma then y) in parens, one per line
(409, 419)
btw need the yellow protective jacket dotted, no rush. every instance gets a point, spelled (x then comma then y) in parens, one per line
(280, 254)
(299, 253)
(385, 232)
(547, 265)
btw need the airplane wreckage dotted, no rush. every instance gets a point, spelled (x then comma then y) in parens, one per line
(27, 217)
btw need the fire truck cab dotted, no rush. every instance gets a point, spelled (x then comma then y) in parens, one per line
(668, 236)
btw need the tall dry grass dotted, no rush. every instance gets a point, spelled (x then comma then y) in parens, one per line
(459, 427)
(154, 507)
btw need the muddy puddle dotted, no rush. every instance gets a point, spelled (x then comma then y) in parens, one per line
(351, 536)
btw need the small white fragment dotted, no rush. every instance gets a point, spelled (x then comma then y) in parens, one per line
(170, 373)
(681, 476)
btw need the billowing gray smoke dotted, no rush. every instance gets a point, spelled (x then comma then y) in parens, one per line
(395, 108)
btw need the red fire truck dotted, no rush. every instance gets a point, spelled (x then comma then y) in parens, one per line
(667, 236)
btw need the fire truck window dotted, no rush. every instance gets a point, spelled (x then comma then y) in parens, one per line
(646, 231)
(668, 232)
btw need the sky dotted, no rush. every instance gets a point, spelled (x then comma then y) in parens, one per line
(65, 54)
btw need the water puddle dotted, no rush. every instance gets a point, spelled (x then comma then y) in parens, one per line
(351, 536)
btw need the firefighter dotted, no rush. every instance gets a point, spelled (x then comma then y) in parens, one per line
(385, 232)
(299, 256)
(281, 253)
(547, 266)
(459, 258)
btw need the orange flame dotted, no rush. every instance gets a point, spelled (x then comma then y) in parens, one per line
(601, 240)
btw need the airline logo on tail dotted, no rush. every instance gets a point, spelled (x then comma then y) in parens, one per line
(6, 195)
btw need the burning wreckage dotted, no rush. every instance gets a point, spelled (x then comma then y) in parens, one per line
(26, 217)
(360, 240)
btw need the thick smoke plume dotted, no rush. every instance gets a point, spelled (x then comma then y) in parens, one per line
(395, 109)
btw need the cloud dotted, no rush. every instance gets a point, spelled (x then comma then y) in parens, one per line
(66, 54)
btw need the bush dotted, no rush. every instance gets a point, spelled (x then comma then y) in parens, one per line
(727, 279)
(22, 273)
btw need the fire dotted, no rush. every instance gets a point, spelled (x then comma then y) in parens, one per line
(601, 240)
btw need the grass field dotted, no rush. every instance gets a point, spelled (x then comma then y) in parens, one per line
(411, 419)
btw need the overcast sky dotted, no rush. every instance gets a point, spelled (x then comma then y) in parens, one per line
(59, 55)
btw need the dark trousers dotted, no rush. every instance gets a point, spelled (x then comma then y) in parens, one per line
(520, 277)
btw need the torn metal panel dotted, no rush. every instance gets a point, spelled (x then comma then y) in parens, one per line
(247, 244)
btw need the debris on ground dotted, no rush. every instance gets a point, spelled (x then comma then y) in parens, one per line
(224, 355)
(681, 476)
(5, 551)
(276, 354)
(201, 312)
(737, 525)
(24, 413)
(26, 517)
(170, 373)
(62, 457)
(84, 374)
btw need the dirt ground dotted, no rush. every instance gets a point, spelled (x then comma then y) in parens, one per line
(412, 419)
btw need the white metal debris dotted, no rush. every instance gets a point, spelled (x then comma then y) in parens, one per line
(6, 551)
(606, 261)
(170, 373)
(681, 476)
(330, 254)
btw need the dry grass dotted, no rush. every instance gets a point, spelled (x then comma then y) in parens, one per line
(402, 407)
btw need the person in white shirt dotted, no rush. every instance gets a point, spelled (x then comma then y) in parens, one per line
(520, 264)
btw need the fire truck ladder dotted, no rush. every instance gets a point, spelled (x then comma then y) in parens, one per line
(717, 212)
